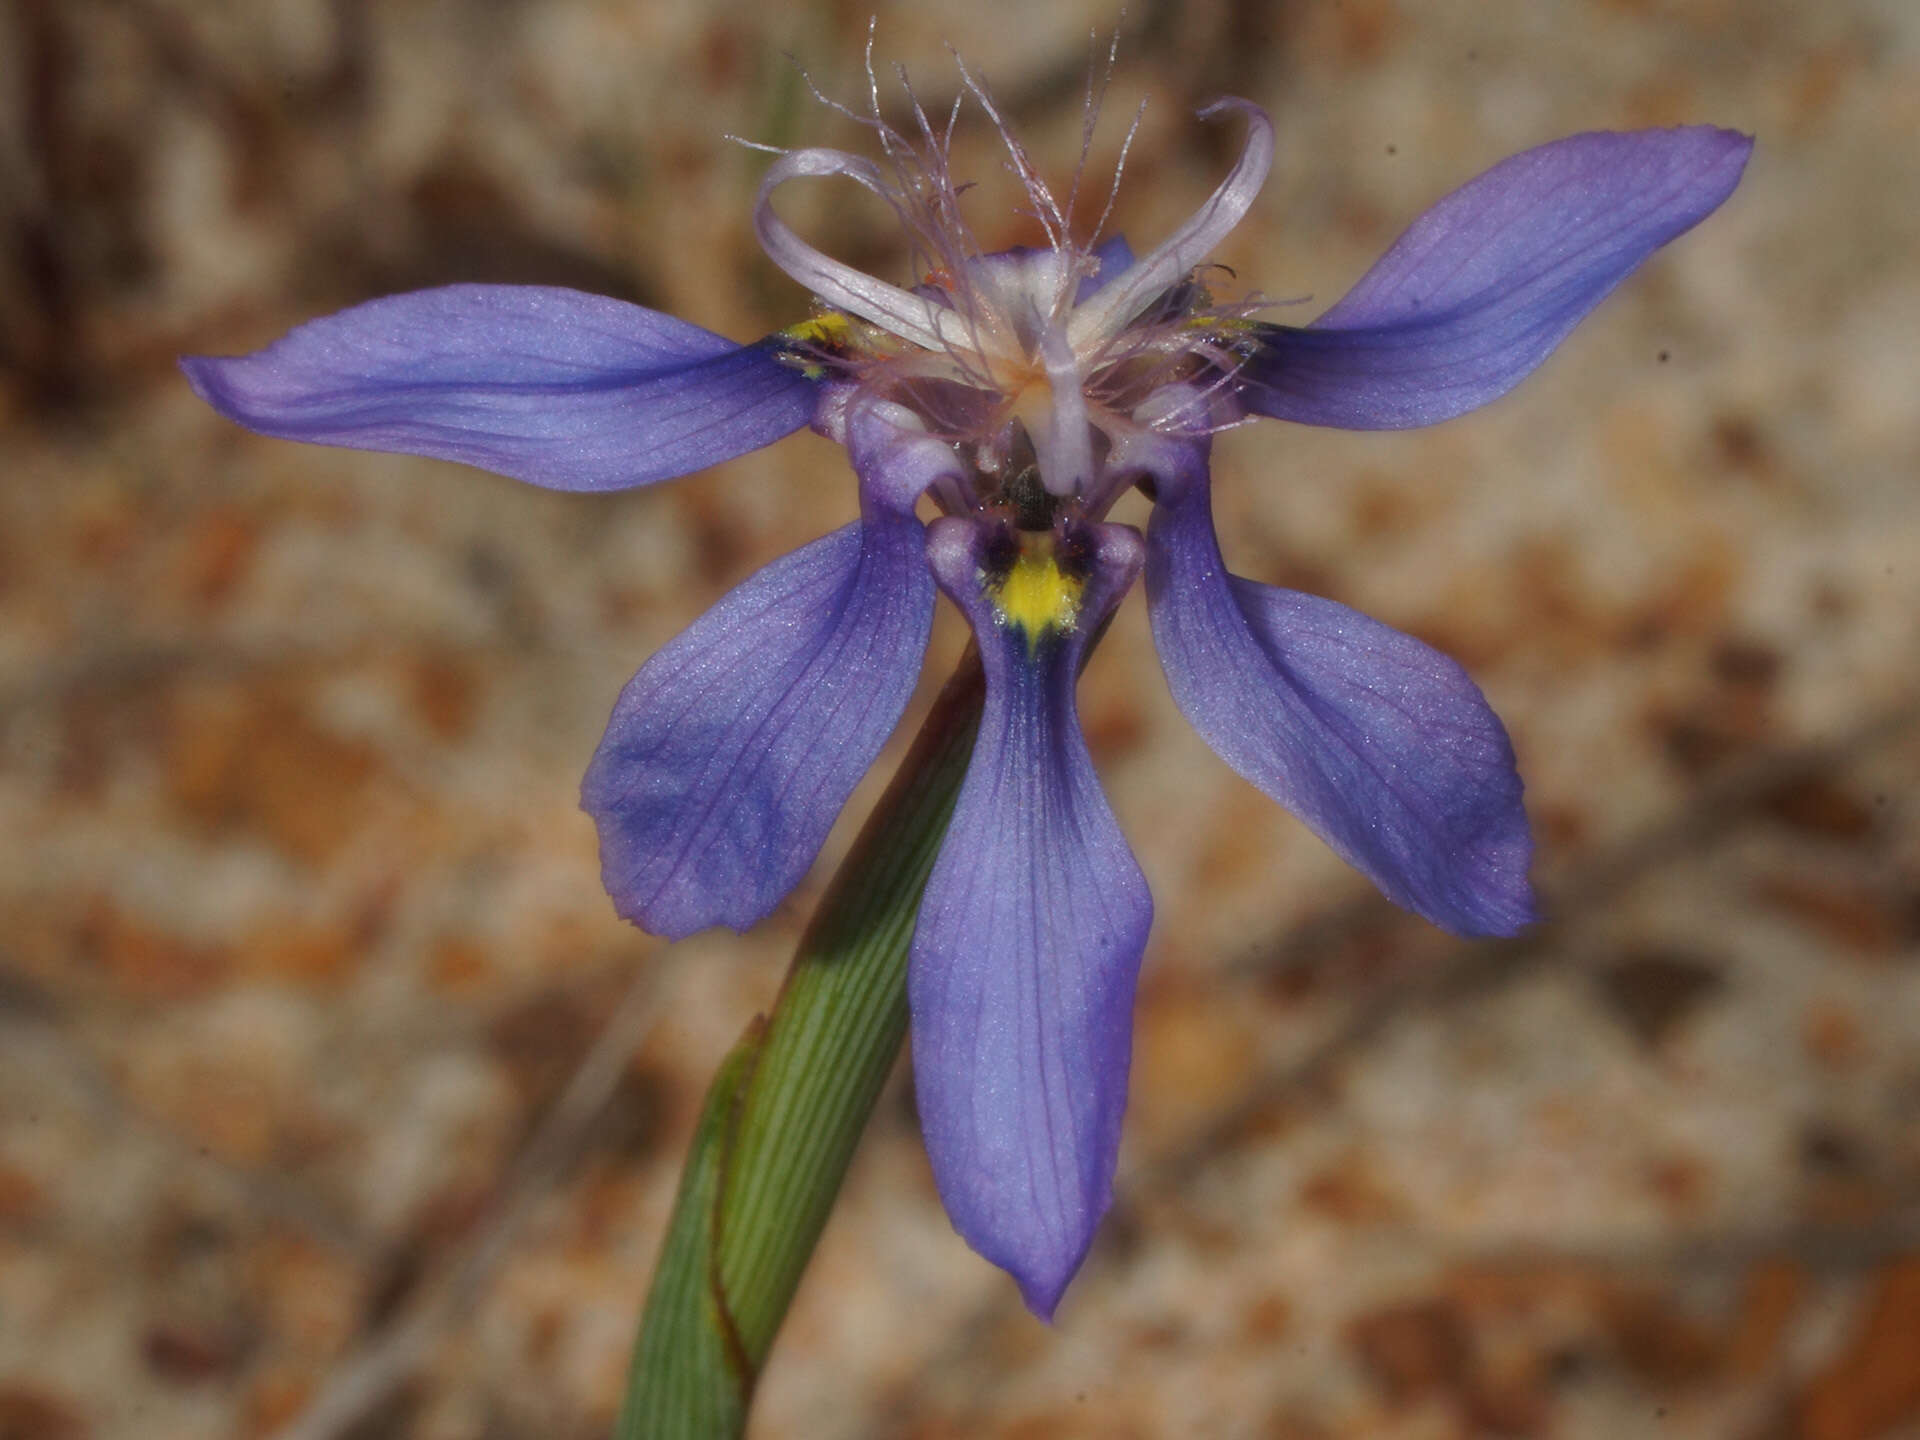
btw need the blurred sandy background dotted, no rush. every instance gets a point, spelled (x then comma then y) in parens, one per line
(301, 940)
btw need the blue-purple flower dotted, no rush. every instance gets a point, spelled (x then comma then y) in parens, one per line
(1018, 394)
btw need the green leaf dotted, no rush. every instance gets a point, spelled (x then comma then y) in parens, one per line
(788, 1106)
(689, 1378)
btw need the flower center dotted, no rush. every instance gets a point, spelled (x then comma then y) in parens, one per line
(1047, 351)
(1035, 584)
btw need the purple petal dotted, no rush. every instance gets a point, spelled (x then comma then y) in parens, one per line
(1029, 940)
(1380, 743)
(563, 389)
(1487, 282)
(730, 753)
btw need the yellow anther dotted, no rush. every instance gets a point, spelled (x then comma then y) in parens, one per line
(829, 328)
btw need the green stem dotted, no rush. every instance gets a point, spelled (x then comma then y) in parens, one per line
(788, 1105)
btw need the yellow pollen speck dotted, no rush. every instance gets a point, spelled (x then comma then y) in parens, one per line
(1035, 596)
